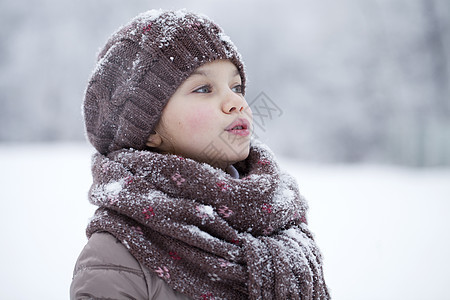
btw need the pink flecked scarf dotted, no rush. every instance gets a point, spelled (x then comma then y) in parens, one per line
(208, 235)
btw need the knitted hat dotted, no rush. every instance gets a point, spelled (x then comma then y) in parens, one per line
(139, 69)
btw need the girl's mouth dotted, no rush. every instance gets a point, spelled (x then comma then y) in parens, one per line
(239, 127)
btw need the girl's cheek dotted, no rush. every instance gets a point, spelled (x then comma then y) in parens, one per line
(201, 118)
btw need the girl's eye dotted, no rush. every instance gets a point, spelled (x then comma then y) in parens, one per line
(237, 89)
(203, 89)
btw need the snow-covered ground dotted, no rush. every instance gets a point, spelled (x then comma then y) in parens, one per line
(383, 231)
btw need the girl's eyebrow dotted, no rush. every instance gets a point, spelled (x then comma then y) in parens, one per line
(205, 73)
(199, 72)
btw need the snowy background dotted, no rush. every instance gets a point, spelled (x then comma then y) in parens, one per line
(362, 121)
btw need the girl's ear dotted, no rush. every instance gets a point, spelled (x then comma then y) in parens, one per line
(154, 140)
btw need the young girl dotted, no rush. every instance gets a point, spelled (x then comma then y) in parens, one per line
(189, 206)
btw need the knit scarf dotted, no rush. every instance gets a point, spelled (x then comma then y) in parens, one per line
(205, 233)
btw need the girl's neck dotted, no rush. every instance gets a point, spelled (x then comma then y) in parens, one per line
(232, 171)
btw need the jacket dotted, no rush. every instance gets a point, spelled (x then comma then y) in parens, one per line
(106, 270)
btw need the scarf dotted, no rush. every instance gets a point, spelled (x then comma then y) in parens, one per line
(206, 234)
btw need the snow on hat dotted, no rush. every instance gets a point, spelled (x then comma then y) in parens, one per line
(139, 69)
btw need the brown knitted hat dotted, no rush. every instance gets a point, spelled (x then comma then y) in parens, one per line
(140, 68)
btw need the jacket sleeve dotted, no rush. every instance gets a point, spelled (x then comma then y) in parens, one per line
(106, 270)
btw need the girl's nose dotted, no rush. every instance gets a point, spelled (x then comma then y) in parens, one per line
(233, 102)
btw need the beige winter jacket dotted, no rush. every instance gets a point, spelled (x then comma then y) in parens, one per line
(106, 270)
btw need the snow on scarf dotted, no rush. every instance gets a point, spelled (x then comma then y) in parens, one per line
(208, 235)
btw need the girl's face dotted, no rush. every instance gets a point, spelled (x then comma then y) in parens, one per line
(207, 118)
